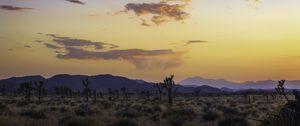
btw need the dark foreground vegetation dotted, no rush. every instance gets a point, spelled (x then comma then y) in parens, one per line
(32, 106)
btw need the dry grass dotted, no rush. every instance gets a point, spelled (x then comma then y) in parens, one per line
(233, 110)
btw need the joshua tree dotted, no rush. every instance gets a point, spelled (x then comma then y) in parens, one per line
(26, 88)
(39, 88)
(116, 94)
(95, 95)
(86, 88)
(168, 84)
(3, 89)
(110, 93)
(159, 87)
(281, 90)
(124, 92)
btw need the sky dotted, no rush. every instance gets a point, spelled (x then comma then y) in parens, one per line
(237, 40)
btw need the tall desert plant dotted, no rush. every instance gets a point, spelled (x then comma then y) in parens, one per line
(86, 88)
(39, 88)
(26, 88)
(159, 87)
(168, 85)
(281, 90)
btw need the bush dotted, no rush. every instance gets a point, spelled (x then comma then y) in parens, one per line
(129, 113)
(233, 121)
(33, 114)
(4, 110)
(177, 117)
(210, 115)
(22, 103)
(84, 110)
(124, 122)
(75, 121)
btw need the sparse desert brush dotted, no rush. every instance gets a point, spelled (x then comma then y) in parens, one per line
(84, 110)
(210, 115)
(4, 110)
(34, 114)
(124, 122)
(128, 113)
(78, 121)
(232, 120)
(178, 116)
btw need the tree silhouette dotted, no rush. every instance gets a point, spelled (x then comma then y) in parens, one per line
(26, 87)
(86, 88)
(159, 87)
(168, 85)
(39, 88)
(3, 89)
(281, 90)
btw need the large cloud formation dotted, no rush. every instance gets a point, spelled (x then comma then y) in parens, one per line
(70, 48)
(162, 11)
(14, 8)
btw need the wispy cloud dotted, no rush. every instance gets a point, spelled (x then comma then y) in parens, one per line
(51, 46)
(38, 41)
(142, 59)
(194, 42)
(14, 8)
(76, 1)
(69, 48)
(27, 46)
(73, 42)
(161, 12)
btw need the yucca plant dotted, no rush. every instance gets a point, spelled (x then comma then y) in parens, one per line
(168, 85)
(86, 88)
(159, 87)
(39, 88)
(26, 88)
(281, 90)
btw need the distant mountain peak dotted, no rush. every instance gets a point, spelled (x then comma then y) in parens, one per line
(221, 83)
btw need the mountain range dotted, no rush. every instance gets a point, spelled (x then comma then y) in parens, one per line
(229, 85)
(103, 82)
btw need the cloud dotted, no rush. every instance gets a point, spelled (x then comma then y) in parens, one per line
(145, 23)
(194, 41)
(27, 46)
(72, 42)
(142, 59)
(76, 1)
(39, 41)
(161, 12)
(14, 8)
(51, 46)
(69, 48)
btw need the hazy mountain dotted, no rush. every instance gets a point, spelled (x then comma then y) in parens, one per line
(12, 83)
(103, 82)
(218, 83)
(228, 85)
(99, 82)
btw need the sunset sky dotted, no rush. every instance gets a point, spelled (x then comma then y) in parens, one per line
(237, 40)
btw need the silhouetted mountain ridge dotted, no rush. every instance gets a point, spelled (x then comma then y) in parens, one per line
(105, 81)
(225, 84)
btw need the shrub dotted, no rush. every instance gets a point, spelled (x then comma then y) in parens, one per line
(124, 122)
(177, 117)
(33, 114)
(129, 113)
(4, 110)
(210, 115)
(84, 110)
(233, 121)
(75, 121)
(22, 103)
